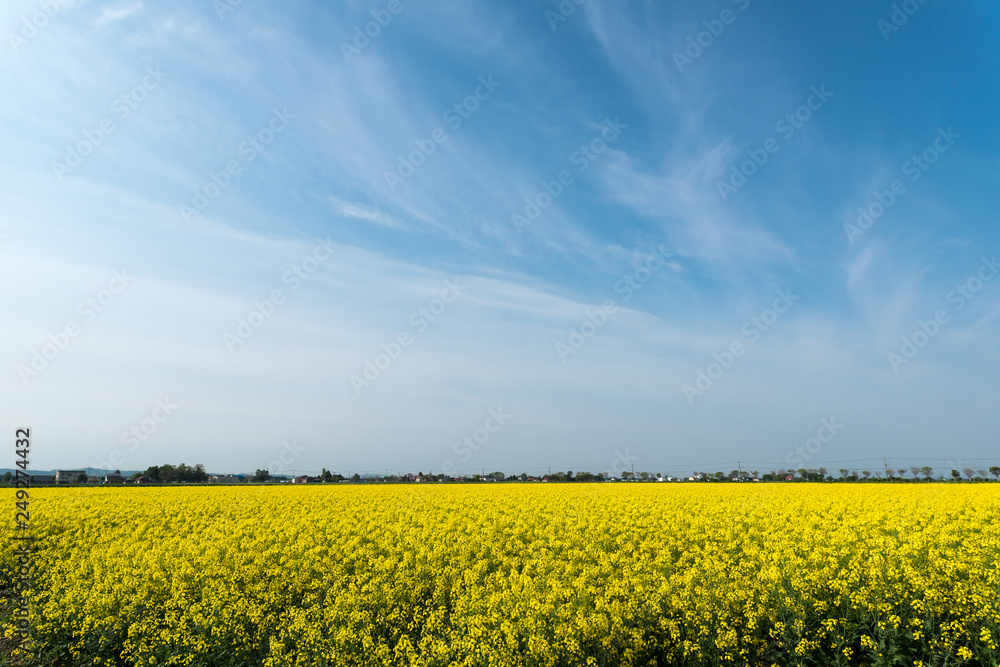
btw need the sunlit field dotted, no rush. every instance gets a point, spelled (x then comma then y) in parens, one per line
(574, 574)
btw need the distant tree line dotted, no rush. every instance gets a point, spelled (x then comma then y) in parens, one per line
(182, 473)
(165, 474)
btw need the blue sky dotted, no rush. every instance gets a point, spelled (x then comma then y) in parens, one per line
(118, 115)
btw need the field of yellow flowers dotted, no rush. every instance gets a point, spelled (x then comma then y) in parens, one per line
(516, 574)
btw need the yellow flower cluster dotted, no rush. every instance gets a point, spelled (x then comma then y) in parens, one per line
(517, 574)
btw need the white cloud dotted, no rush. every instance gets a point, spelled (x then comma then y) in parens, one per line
(365, 213)
(109, 14)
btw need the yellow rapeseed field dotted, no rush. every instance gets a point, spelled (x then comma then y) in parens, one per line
(517, 574)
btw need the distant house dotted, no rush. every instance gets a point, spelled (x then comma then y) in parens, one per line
(142, 479)
(306, 479)
(69, 476)
(112, 478)
(226, 479)
(43, 479)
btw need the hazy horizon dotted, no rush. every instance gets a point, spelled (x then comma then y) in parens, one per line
(502, 238)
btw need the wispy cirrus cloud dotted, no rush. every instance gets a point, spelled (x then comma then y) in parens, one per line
(365, 213)
(117, 13)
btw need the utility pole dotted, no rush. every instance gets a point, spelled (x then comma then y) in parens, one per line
(739, 465)
(885, 466)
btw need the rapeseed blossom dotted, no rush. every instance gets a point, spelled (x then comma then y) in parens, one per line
(572, 574)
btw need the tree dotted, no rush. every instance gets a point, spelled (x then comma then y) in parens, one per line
(927, 471)
(902, 472)
(822, 473)
(326, 475)
(994, 470)
(644, 476)
(968, 472)
(843, 473)
(182, 473)
(7, 476)
(957, 476)
(866, 473)
(916, 471)
(261, 475)
(981, 473)
(357, 478)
